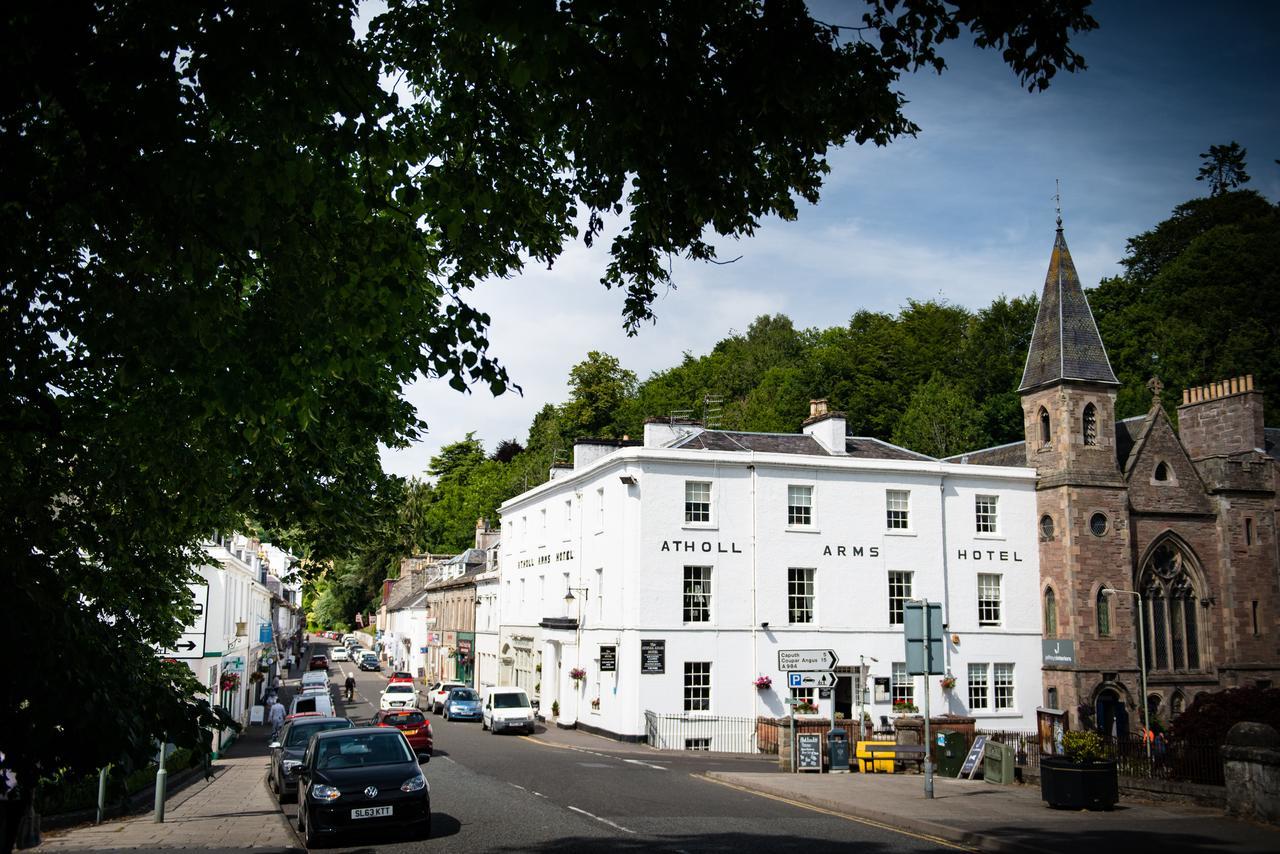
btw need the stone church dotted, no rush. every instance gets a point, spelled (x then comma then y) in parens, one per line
(1177, 522)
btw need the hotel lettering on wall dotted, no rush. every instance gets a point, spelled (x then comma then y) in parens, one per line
(700, 546)
(988, 555)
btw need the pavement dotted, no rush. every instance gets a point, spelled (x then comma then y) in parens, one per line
(236, 811)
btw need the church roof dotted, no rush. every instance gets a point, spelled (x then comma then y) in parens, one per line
(1065, 344)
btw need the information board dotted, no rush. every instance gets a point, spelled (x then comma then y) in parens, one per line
(809, 751)
(608, 659)
(653, 656)
(971, 761)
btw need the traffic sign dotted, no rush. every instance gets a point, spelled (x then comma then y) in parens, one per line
(923, 639)
(811, 679)
(191, 642)
(807, 659)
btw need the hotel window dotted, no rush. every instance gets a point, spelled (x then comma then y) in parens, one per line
(800, 506)
(697, 501)
(898, 509)
(600, 509)
(568, 514)
(697, 594)
(1002, 686)
(899, 593)
(988, 599)
(985, 511)
(805, 694)
(800, 595)
(901, 687)
(543, 514)
(978, 688)
(697, 686)
(600, 593)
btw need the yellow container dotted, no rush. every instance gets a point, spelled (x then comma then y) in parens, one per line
(865, 763)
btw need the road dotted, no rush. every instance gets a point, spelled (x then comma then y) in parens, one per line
(516, 793)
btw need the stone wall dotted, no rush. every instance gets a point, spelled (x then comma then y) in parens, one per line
(1251, 758)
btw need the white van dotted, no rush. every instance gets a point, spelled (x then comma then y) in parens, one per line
(321, 703)
(315, 679)
(506, 707)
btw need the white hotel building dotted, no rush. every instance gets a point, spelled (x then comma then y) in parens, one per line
(695, 557)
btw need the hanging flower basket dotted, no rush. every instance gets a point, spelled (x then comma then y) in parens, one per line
(256, 676)
(948, 682)
(577, 674)
(763, 682)
(901, 708)
(230, 681)
(806, 707)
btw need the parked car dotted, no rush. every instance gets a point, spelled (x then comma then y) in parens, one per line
(319, 662)
(507, 707)
(360, 779)
(310, 702)
(369, 661)
(463, 704)
(399, 676)
(315, 679)
(340, 653)
(413, 723)
(398, 695)
(286, 754)
(437, 693)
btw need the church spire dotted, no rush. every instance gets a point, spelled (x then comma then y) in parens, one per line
(1065, 344)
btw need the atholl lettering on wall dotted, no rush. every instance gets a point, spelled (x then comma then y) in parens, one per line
(543, 560)
(987, 554)
(704, 546)
(851, 551)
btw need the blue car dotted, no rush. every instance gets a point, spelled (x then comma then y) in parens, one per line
(462, 704)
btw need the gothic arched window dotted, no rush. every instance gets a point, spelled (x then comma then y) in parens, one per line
(1050, 614)
(1169, 601)
(1162, 471)
(1090, 425)
(1044, 426)
(1104, 613)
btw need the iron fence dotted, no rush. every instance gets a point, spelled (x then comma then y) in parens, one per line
(1174, 760)
(693, 731)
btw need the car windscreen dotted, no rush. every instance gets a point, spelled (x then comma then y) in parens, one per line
(300, 734)
(357, 751)
(463, 694)
(404, 718)
(511, 700)
(399, 688)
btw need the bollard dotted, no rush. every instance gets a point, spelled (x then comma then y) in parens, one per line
(102, 794)
(161, 783)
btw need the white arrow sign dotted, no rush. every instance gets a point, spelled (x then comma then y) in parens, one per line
(807, 659)
(811, 679)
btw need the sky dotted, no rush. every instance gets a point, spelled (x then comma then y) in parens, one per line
(964, 212)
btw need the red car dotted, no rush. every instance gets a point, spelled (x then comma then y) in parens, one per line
(319, 662)
(412, 723)
(400, 676)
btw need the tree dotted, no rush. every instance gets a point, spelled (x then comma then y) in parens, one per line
(600, 392)
(1223, 168)
(228, 248)
(940, 420)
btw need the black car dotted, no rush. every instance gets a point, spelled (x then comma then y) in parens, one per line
(360, 779)
(286, 754)
(369, 662)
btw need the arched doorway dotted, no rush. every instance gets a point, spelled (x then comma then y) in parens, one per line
(1110, 714)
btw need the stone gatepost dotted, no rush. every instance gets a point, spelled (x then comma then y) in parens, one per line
(1251, 760)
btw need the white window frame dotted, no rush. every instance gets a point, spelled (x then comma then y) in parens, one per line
(600, 509)
(706, 505)
(800, 509)
(697, 686)
(802, 600)
(986, 515)
(688, 607)
(1003, 689)
(989, 606)
(902, 688)
(897, 509)
(905, 583)
(979, 685)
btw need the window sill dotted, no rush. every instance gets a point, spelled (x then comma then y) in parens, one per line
(990, 625)
(900, 532)
(990, 537)
(803, 529)
(699, 526)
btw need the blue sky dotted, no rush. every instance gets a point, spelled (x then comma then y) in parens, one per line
(964, 212)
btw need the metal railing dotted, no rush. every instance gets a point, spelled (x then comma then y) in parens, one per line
(694, 731)
(1174, 760)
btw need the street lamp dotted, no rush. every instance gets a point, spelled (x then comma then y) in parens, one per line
(862, 688)
(1142, 663)
(569, 599)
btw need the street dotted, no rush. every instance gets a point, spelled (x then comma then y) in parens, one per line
(536, 793)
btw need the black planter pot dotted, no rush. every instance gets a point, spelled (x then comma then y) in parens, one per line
(1079, 786)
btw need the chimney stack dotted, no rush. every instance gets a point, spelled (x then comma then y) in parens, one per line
(826, 427)
(1221, 418)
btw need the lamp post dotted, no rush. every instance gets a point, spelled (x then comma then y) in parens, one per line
(1142, 663)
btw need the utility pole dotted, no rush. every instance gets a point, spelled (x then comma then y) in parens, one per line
(1142, 663)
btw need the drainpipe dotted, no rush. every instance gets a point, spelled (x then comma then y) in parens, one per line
(755, 621)
(946, 586)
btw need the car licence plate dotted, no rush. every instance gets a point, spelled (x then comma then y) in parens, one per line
(410, 731)
(370, 812)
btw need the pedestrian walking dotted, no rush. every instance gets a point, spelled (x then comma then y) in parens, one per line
(288, 664)
(275, 684)
(276, 718)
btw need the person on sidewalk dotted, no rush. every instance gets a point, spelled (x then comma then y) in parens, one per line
(276, 718)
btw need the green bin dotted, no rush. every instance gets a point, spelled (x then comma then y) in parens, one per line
(998, 763)
(949, 750)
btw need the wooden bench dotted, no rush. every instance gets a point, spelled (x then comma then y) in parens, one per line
(878, 750)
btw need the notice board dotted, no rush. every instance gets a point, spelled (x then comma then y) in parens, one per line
(608, 659)
(975, 756)
(808, 751)
(653, 656)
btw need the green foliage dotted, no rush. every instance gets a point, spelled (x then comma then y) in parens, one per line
(1083, 746)
(940, 421)
(600, 392)
(1212, 714)
(1224, 168)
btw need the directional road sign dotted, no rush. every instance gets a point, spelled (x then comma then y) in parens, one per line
(807, 659)
(191, 642)
(811, 679)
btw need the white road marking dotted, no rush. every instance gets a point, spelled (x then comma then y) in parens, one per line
(645, 764)
(539, 794)
(518, 786)
(603, 820)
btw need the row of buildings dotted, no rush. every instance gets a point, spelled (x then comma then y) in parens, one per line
(666, 575)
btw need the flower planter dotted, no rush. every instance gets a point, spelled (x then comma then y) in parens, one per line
(1079, 786)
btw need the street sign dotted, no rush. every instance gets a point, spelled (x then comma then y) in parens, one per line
(1058, 651)
(807, 659)
(191, 643)
(811, 679)
(922, 661)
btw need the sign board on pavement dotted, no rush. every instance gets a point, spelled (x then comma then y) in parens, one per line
(922, 661)
(809, 752)
(811, 679)
(255, 714)
(653, 656)
(970, 766)
(807, 659)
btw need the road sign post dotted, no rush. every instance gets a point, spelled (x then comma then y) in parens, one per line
(922, 631)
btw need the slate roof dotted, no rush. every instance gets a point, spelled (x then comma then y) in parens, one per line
(1009, 454)
(1128, 432)
(1065, 343)
(859, 447)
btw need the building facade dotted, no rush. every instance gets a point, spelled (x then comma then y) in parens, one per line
(667, 576)
(1134, 515)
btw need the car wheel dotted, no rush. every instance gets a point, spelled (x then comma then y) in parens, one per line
(309, 836)
(483, 725)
